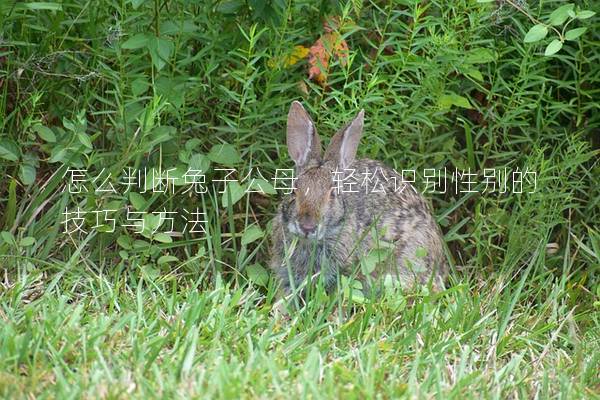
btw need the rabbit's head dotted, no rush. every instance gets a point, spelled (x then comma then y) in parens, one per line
(316, 208)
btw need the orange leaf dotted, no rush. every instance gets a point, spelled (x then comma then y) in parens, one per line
(328, 45)
(318, 60)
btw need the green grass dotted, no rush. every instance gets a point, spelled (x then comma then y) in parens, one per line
(107, 315)
(116, 337)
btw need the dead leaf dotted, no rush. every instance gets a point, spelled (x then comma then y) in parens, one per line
(328, 45)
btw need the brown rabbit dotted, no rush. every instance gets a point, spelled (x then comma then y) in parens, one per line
(331, 221)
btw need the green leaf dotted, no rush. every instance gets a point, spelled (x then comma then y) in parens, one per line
(229, 6)
(160, 51)
(461, 101)
(261, 186)
(236, 191)
(139, 86)
(45, 133)
(553, 47)
(125, 242)
(224, 154)
(353, 290)
(453, 99)
(165, 48)
(167, 259)
(161, 134)
(374, 257)
(573, 34)
(149, 272)
(176, 176)
(172, 89)
(357, 296)
(151, 223)
(162, 237)
(177, 27)
(8, 237)
(137, 41)
(57, 154)
(251, 234)
(536, 33)
(192, 144)
(27, 174)
(137, 201)
(258, 274)
(69, 125)
(11, 205)
(199, 162)
(85, 140)
(27, 241)
(421, 252)
(560, 15)
(480, 56)
(153, 178)
(9, 150)
(585, 14)
(43, 6)
(140, 244)
(473, 73)
(137, 3)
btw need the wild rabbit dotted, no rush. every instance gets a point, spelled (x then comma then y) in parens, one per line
(331, 221)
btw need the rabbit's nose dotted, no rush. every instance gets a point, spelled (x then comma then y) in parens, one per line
(308, 227)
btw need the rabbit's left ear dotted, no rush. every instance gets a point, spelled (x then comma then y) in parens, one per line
(344, 144)
(302, 140)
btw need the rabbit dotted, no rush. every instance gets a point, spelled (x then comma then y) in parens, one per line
(324, 229)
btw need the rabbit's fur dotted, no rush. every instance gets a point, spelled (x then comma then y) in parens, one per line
(319, 229)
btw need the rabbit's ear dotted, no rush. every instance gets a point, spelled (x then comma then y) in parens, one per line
(302, 140)
(344, 144)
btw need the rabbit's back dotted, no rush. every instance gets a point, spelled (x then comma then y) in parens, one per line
(383, 206)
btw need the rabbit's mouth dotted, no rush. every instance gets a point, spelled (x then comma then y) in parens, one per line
(316, 234)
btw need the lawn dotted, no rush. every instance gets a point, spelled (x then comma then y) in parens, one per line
(491, 109)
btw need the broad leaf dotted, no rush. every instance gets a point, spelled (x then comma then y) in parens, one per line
(575, 33)
(224, 154)
(585, 14)
(162, 237)
(258, 274)
(166, 259)
(160, 51)
(9, 150)
(480, 56)
(137, 41)
(560, 15)
(251, 234)
(553, 47)
(27, 174)
(536, 33)
(45, 133)
(235, 191)
(448, 100)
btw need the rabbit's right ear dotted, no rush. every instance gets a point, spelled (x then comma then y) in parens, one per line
(302, 140)
(344, 144)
